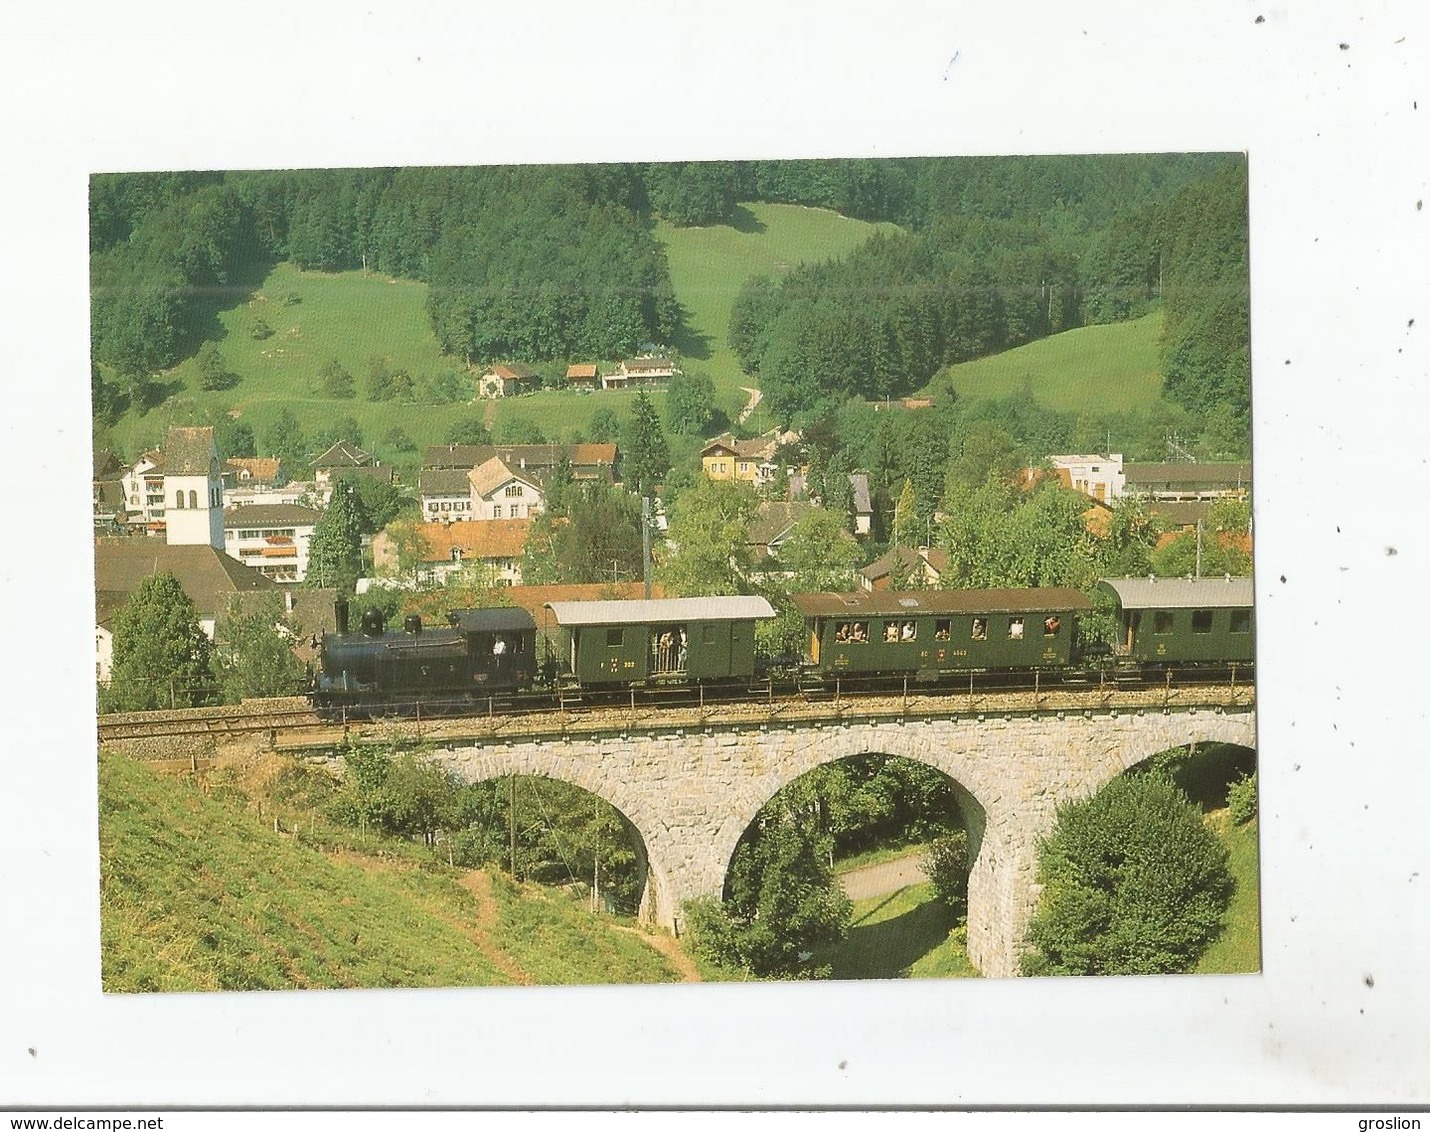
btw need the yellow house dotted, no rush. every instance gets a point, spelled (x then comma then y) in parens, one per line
(748, 461)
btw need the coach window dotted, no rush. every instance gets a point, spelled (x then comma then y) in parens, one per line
(942, 630)
(1201, 621)
(615, 638)
(1241, 620)
(1162, 622)
(891, 631)
(860, 632)
(1015, 628)
(980, 628)
(1051, 625)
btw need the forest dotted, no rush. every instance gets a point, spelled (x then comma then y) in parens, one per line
(553, 263)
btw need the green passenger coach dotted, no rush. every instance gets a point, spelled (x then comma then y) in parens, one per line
(687, 640)
(1180, 621)
(927, 634)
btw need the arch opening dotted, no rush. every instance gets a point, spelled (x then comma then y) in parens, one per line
(548, 831)
(858, 868)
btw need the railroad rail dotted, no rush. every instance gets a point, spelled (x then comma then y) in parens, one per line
(291, 724)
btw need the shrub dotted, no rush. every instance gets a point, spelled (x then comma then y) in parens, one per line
(1241, 799)
(1133, 883)
(946, 866)
(261, 330)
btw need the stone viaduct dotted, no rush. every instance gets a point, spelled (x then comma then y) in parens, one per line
(691, 788)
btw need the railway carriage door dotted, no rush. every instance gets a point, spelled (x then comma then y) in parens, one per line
(818, 627)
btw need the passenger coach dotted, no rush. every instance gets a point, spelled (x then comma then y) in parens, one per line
(928, 634)
(1182, 622)
(686, 640)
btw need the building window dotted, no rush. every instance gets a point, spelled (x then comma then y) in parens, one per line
(179, 500)
(514, 491)
(432, 507)
(194, 499)
(456, 554)
(496, 510)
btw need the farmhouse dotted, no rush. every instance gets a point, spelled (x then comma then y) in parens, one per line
(582, 376)
(505, 379)
(645, 370)
(747, 461)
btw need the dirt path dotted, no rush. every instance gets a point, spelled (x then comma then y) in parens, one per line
(755, 398)
(479, 885)
(670, 947)
(885, 877)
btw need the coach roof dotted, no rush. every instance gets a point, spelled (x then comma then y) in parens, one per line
(1182, 593)
(571, 613)
(1050, 599)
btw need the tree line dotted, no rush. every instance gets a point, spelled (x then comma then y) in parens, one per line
(968, 283)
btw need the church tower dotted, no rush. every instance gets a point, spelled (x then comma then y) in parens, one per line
(193, 489)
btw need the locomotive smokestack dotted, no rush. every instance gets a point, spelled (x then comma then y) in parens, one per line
(340, 616)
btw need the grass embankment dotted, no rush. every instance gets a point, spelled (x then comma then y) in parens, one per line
(354, 317)
(1238, 949)
(197, 892)
(1114, 368)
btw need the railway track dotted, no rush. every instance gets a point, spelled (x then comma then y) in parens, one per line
(293, 717)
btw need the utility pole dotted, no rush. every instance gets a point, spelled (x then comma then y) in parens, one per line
(645, 542)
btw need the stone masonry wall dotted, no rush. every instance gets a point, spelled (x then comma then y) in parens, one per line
(691, 794)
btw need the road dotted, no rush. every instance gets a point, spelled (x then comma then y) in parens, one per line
(885, 877)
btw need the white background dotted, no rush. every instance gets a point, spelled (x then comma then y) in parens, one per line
(1323, 98)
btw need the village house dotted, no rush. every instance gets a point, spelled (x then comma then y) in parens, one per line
(505, 379)
(745, 461)
(861, 503)
(271, 538)
(111, 506)
(144, 492)
(645, 370)
(1100, 477)
(582, 376)
(904, 567)
(771, 527)
(445, 486)
(1166, 483)
(341, 457)
(494, 548)
(497, 492)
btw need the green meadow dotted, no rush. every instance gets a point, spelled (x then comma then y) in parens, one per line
(354, 317)
(198, 892)
(1116, 365)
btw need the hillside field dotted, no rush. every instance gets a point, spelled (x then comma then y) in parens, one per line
(353, 317)
(198, 892)
(1113, 367)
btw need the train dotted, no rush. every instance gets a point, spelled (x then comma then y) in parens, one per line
(483, 660)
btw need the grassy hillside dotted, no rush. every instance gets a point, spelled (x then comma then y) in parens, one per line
(197, 892)
(1238, 948)
(353, 317)
(709, 265)
(1114, 368)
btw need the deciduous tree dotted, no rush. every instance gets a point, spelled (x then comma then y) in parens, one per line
(1133, 884)
(253, 651)
(162, 658)
(335, 552)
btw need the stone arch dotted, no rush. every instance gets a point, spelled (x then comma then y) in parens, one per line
(480, 764)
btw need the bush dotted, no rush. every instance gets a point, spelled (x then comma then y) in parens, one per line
(1133, 883)
(261, 330)
(946, 866)
(1241, 799)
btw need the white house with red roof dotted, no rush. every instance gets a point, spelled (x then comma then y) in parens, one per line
(498, 492)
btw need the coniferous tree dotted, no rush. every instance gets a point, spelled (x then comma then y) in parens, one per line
(647, 454)
(335, 552)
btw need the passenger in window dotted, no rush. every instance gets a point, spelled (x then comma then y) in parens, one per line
(980, 628)
(861, 632)
(941, 631)
(1051, 627)
(909, 631)
(841, 631)
(891, 630)
(1015, 629)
